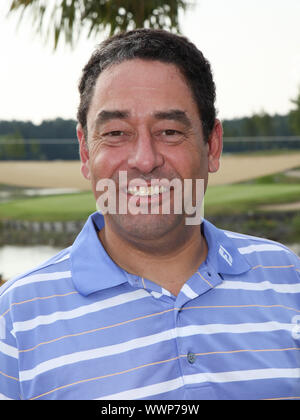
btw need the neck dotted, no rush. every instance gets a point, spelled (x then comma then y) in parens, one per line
(169, 261)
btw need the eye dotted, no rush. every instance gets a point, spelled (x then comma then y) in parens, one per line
(115, 137)
(171, 136)
(170, 132)
(115, 133)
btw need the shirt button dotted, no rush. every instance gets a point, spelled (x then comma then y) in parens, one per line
(191, 358)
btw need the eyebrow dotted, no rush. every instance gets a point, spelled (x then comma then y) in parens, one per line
(105, 116)
(172, 114)
(175, 115)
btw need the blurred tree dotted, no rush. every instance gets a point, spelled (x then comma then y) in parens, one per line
(294, 116)
(35, 150)
(249, 127)
(69, 17)
(264, 124)
(47, 129)
(12, 147)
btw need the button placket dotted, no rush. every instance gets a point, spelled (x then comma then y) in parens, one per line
(191, 358)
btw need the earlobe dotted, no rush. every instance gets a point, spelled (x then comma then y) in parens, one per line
(84, 152)
(215, 147)
(85, 169)
(212, 166)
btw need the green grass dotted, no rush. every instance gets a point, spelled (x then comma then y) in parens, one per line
(50, 208)
(240, 198)
(279, 178)
(228, 199)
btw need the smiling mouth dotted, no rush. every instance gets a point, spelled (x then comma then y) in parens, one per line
(147, 191)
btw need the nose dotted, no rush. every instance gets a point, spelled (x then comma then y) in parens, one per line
(145, 156)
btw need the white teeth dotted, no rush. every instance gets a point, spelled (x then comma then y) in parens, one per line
(163, 189)
(145, 191)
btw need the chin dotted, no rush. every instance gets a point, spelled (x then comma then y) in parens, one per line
(145, 227)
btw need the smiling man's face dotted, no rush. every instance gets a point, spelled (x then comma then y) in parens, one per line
(143, 120)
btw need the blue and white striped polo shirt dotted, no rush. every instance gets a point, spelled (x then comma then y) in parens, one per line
(80, 327)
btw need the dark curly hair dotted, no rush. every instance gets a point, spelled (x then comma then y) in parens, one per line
(152, 44)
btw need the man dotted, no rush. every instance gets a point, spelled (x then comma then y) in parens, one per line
(144, 304)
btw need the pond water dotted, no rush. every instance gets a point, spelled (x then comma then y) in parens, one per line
(15, 260)
(8, 193)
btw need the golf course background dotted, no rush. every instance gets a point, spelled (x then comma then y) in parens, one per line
(255, 193)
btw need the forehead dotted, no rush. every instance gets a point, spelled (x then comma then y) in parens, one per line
(142, 70)
(139, 82)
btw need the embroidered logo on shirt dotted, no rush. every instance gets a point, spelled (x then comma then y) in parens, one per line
(225, 254)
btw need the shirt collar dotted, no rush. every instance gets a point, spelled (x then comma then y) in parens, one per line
(93, 270)
(223, 254)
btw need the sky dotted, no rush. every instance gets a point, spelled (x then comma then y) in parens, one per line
(253, 47)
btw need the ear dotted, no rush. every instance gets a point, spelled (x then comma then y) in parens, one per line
(84, 152)
(215, 145)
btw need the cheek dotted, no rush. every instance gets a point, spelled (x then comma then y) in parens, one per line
(200, 162)
(106, 162)
(190, 164)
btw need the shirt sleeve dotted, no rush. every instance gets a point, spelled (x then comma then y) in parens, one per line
(9, 371)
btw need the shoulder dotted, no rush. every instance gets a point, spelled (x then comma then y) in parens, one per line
(40, 280)
(264, 251)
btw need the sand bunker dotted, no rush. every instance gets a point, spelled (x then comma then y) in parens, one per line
(66, 174)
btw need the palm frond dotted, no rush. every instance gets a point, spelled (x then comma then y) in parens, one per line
(69, 17)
